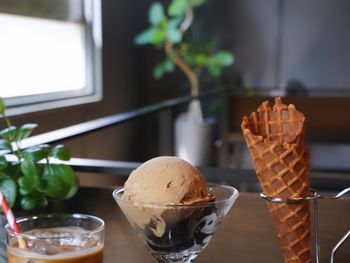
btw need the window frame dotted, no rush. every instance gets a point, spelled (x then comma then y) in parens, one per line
(92, 18)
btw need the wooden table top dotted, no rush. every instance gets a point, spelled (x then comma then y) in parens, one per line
(246, 235)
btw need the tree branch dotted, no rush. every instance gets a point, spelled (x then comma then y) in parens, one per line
(188, 20)
(184, 67)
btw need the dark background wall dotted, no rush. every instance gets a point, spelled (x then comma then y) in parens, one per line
(277, 41)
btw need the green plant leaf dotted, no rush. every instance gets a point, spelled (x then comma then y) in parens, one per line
(40, 198)
(189, 58)
(28, 203)
(177, 7)
(9, 189)
(52, 186)
(58, 181)
(144, 37)
(9, 133)
(27, 184)
(11, 170)
(44, 147)
(169, 65)
(223, 58)
(25, 130)
(158, 36)
(28, 167)
(60, 152)
(197, 2)
(5, 145)
(176, 21)
(161, 68)
(2, 106)
(74, 187)
(37, 153)
(158, 71)
(3, 162)
(214, 70)
(3, 174)
(173, 34)
(156, 14)
(200, 59)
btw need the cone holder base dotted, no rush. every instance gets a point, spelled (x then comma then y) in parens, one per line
(314, 197)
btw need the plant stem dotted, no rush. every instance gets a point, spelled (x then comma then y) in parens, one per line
(17, 150)
(7, 120)
(190, 73)
(184, 67)
(188, 20)
(194, 110)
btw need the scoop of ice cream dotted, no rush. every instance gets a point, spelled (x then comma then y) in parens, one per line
(166, 180)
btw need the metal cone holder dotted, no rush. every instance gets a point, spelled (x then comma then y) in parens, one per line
(314, 196)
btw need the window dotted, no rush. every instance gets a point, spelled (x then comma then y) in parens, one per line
(50, 53)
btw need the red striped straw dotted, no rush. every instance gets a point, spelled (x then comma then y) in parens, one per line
(11, 219)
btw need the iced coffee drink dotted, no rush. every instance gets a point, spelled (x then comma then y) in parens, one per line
(57, 239)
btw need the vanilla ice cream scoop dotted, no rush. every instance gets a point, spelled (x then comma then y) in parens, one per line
(167, 180)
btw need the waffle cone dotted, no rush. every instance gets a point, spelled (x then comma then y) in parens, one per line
(275, 139)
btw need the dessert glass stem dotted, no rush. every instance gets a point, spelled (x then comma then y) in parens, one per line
(174, 258)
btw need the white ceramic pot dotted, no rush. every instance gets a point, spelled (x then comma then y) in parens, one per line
(194, 141)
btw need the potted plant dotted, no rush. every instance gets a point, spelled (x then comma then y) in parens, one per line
(28, 177)
(170, 31)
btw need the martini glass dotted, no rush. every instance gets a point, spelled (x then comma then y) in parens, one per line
(178, 233)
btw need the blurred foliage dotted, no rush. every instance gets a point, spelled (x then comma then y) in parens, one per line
(31, 179)
(167, 26)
